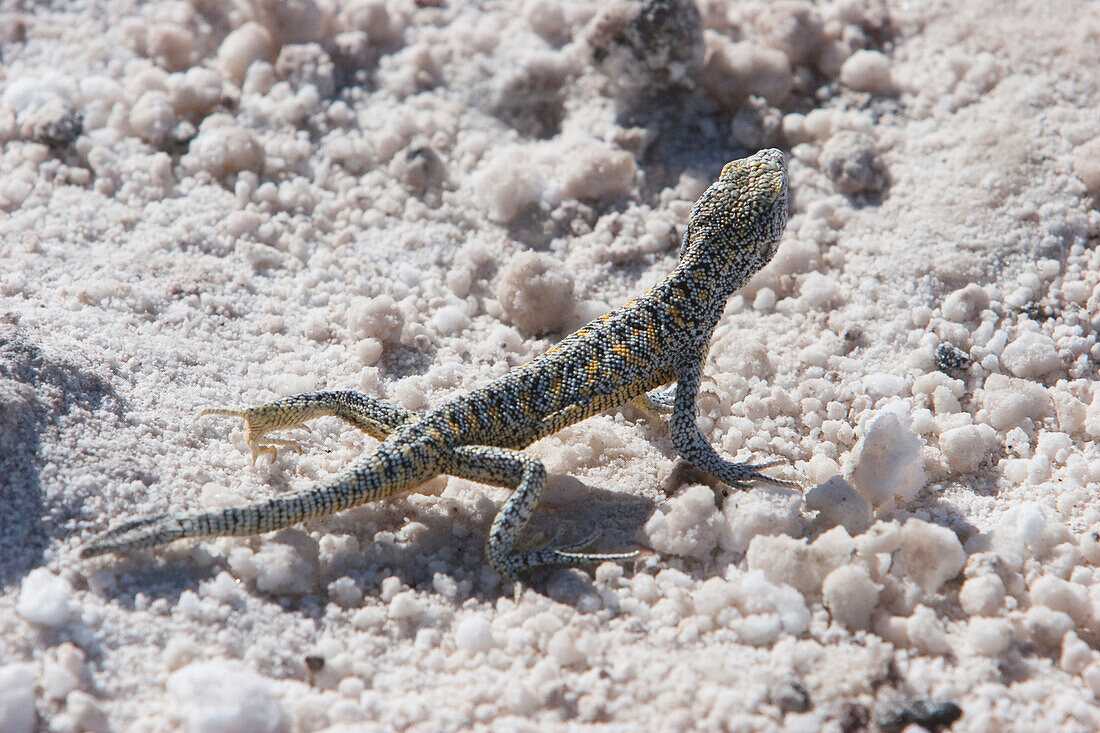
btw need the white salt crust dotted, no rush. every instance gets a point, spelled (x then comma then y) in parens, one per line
(211, 206)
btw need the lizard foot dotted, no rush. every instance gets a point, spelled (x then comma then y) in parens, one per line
(571, 555)
(746, 474)
(260, 421)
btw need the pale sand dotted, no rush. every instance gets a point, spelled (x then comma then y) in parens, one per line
(408, 201)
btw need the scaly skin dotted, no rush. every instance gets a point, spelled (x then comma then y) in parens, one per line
(661, 337)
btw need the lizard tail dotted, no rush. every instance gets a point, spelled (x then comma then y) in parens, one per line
(149, 532)
(383, 474)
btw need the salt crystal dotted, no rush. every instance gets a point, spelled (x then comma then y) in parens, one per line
(1031, 355)
(44, 598)
(685, 525)
(851, 596)
(867, 71)
(17, 713)
(474, 634)
(886, 462)
(989, 637)
(220, 696)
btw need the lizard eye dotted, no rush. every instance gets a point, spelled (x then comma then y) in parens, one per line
(768, 248)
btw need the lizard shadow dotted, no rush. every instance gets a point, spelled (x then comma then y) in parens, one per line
(36, 392)
(937, 511)
(569, 511)
(414, 540)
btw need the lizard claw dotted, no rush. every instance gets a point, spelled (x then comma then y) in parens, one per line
(571, 554)
(268, 448)
(751, 473)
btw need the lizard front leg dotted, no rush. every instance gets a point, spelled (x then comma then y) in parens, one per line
(694, 448)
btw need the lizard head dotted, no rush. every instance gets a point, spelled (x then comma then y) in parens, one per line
(738, 220)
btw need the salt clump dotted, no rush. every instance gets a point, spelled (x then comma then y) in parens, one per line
(152, 116)
(1022, 530)
(982, 595)
(754, 594)
(851, 596)
(967, 447)
(171, 46)
(562, 648)
(733, 70)
(642, 45)
(1061, 595)
(405, 606)
(508, 186)
(44, 598)
(224, 148)
(867, 71)
(930, 554)
(886, 463)
(1091, 676)
(990, 637)
(287, 565)
(1053, 445)
(195, 92)
(450, 319)
(838, 503)
(536, 293)
(748, 514)
(1031, 355)
(223, 696)
(17, 713)
(1090, 546)
(26, 95)
(1092, 416)
(926, 632)
(1087, 164)
(966, 304)
(785, 560)
(382, 24)
(794, 27)
(1008, 402)
(474, 634)
(378, 318)
(594, 172)
(818, 291)
(883, 384)
(1076, 654)
(850, 159)
(307, 64)
(251, 42)
(293, 21)
(714, 599)
(687, 524)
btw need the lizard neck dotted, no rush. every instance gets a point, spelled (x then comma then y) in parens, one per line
(702, 283)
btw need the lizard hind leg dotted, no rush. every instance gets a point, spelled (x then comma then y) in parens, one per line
(375, 417)
(527, 475)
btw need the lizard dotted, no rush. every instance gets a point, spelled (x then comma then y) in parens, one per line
(658, 339)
